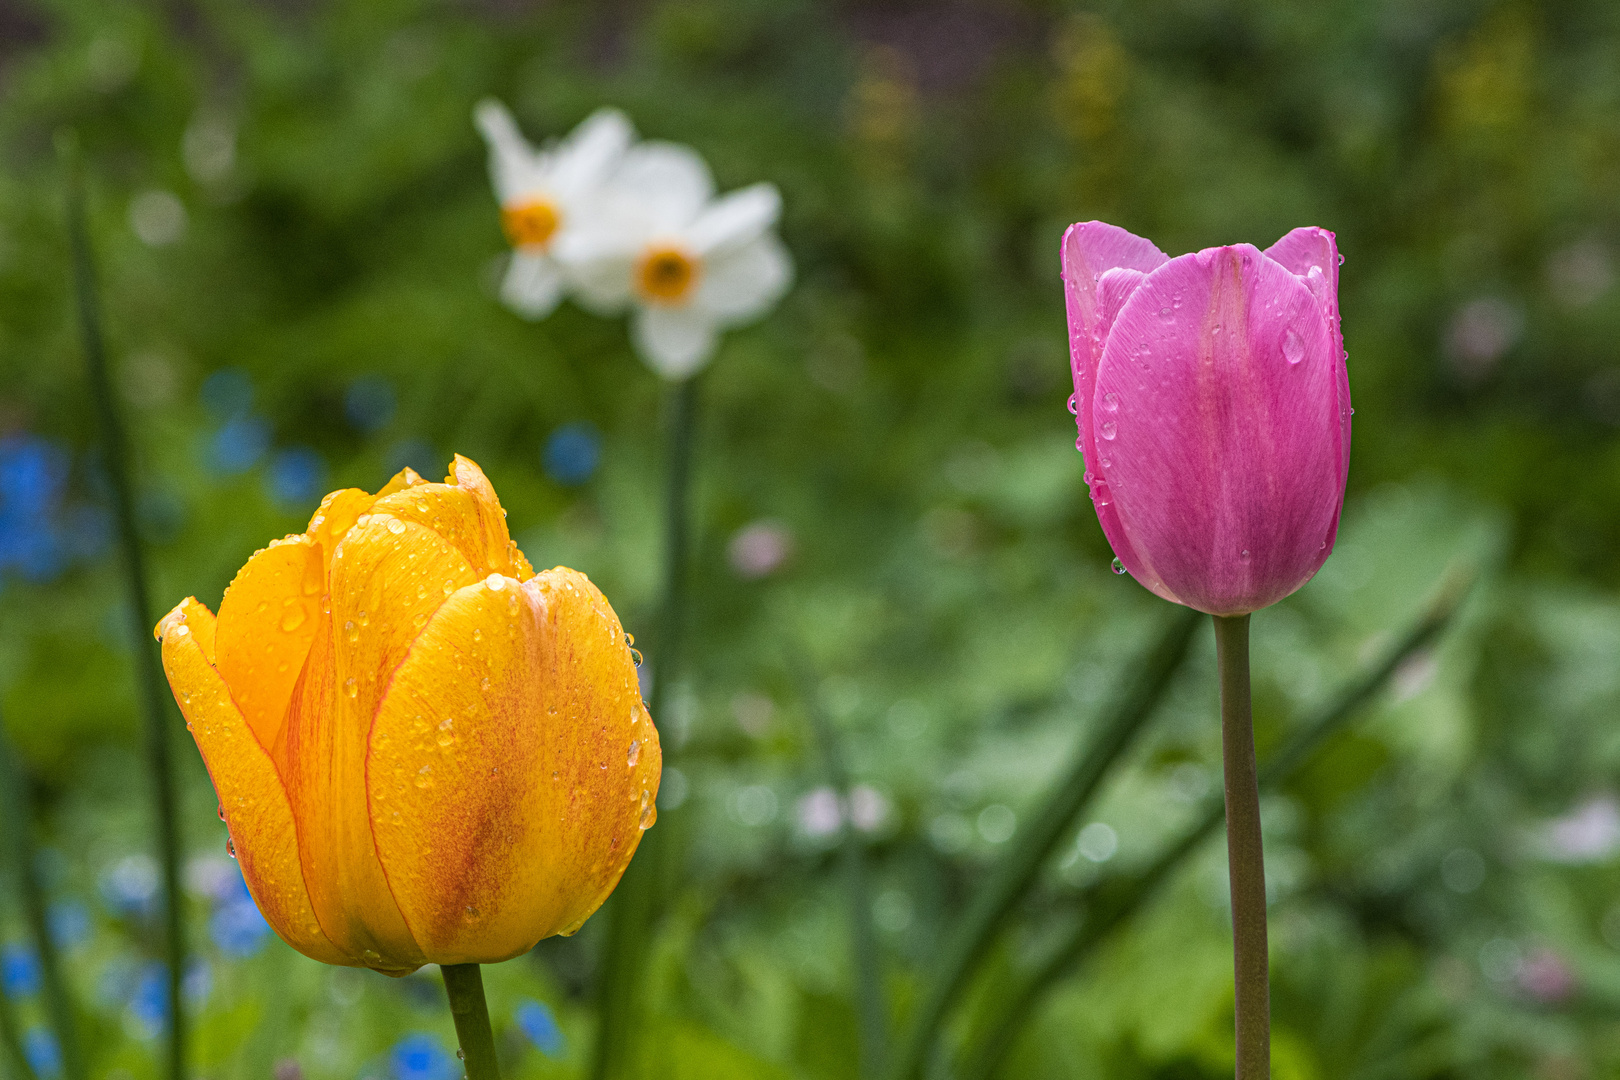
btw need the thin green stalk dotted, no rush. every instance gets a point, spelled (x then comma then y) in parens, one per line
(1108, 904)
(1245, 857)
(871, 1011)
(634, 904)
(464, 984)
(11, 1042)
(116, 458)
(1010, 880)
(15, 804)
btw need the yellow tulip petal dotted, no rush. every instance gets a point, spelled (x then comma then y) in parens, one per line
(266, 623)
(465, 511)
(406, 477)
(513, 767)
(388, 577)
(250, 793)
(337, 515)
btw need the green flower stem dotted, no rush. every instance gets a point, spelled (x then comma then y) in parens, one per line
(634, 904)
(1013, 875)
(115, 459)
(15, 808)
(1109, 903)
(1245, 858)
(872, 1013)
(464, 983)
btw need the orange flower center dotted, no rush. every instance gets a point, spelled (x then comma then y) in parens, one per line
(530, 224)
(666, 275)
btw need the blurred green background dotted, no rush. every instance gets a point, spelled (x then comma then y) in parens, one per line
(299, 251)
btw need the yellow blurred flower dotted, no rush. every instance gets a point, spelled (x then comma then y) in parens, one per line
(425, 752)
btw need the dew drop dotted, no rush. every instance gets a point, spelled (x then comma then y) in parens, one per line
(1074, 404)
(1293, 348)
(478, 635)
(423, 777)
(649, 814)
(1166, 313)
(1111, 403)
(483, 684)
(222, 811)
(364, 618)
(349, 687)
(495, 583)
(1108, 430)
(230, 847)
(1244, 555)
(635, 752)
(1117, 566)
(449, 586)
(396, 526)
(351, 631)
(446, 736)
(421, 506)
(293, 618)
(1106, 463)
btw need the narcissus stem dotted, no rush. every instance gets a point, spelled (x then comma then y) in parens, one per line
(115, 460)
(1245, 859)
(465, 985)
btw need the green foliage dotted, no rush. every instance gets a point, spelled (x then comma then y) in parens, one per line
(901, 415)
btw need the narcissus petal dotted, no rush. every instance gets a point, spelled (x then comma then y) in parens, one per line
(513, 767)
(266, 624)
(250, 793)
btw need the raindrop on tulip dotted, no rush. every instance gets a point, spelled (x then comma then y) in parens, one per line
(483, 684)
(1074, 406)
(352, 631)
(396, 526)
(292, 620)
(222, 811)
(421, 506)
(1108, 430)
(495, 582)
(364, 618)
(1118, 567)
(422, 778)
(478, 635)
(635, 752)
(1293, 348)
(349, 687)
(446, 736)
(449, 586)
(1111, 403)
(1166, 314)
(230, 847)
(1244, 554)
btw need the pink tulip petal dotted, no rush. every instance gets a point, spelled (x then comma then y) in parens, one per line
(1090, 250)
(1223, 448)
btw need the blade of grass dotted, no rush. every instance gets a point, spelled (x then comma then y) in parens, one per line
(871, 1011)
(116, 460)
(634, 903)
(1138, 695)
(1110, 903)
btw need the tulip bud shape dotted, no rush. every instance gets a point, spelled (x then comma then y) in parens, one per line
(1213, 403)
(425, 752)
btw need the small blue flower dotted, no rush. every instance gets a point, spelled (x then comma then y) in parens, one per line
(69, 922)
(238, 928)
(19, 971)
(227, 393)
(238, 446)
(130, 886)
(33, 477)
(43, 1054)
(421, 1057)
(535, 1020)
(149, 1000)
(297, 476)
(369, 403)
(572, 453)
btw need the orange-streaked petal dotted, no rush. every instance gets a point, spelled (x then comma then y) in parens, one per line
(250, 793)
(406, 477)
(337, 515)
(388, 577)
(266, 624)
(512, 767)
(465, 511)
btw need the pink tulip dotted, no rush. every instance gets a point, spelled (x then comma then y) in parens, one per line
(1214, 410)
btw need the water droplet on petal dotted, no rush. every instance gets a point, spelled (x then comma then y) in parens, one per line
(1117, 566)
(495, 583)
(396, 526)
(446, 736)
(349, 687)
(1293, 348)
(230, 847)
(1108, 430)
(635, 752)
(449, 586)
(1111, 402)
(364, 618)
(1074, 405)
(648, 815)
(351, 631)
(1244, 554)
(293, 618)
(478, 635)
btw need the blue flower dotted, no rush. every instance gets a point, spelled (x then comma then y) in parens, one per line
(42, 1052)
(421, 1057)
(572, 453)
(369, 403)
(535, 1020)
(238, 928)
(33, 476)
(238, 446)
(19, 971)
(69, 922)
(130, 886)
(297, 476)
(149, 999)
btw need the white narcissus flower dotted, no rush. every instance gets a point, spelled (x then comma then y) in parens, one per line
(545, 195)
(690, 264)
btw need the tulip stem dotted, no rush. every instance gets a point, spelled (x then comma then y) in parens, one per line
(464, 983)
(1245, 858)
(115, 460)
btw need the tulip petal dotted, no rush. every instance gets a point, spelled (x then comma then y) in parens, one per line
(251, 795)
(513, 767)
(266, 623)
(1222, 453)
(388, 577)
(464, 510)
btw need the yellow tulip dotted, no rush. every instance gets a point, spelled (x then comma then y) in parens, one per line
(424, 751)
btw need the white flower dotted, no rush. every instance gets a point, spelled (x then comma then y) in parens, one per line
(545, 195)
(690, 264)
